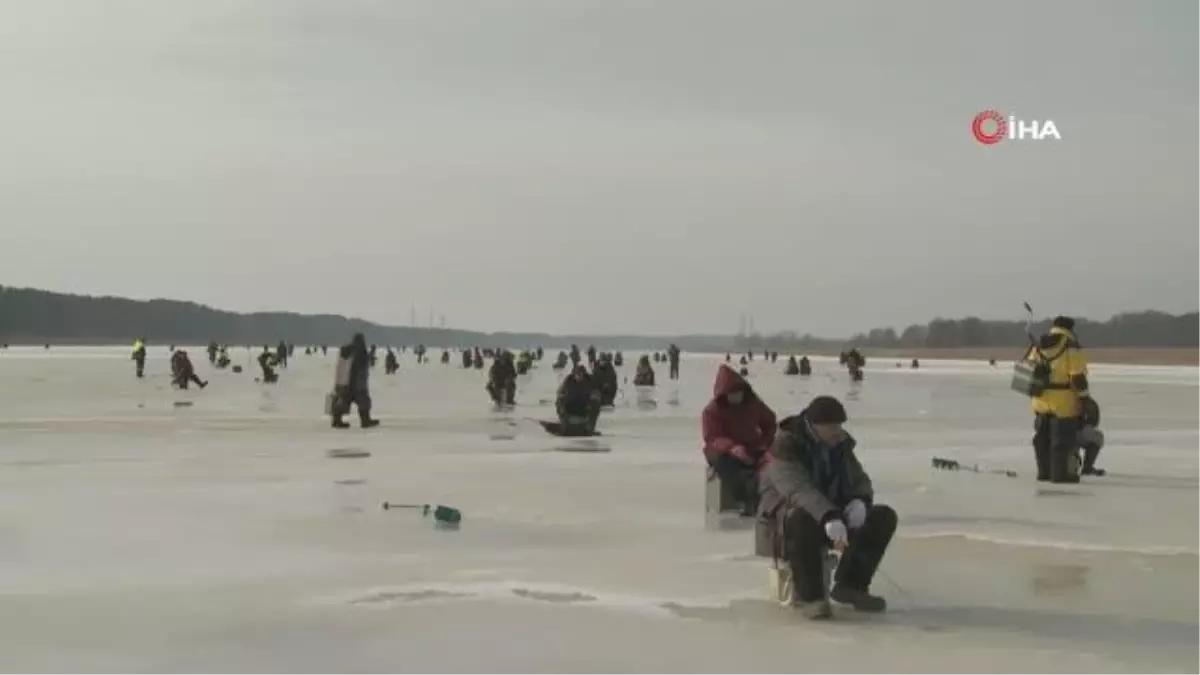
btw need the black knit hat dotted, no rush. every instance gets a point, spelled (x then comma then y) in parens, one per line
(1064, 322)
(826, 410)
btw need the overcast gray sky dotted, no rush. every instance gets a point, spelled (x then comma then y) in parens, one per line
(606, 166)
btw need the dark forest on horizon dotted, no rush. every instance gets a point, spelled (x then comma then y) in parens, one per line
(31, 316)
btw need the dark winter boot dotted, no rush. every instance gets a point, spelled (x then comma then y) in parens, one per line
(1090, 454)
(859, 600)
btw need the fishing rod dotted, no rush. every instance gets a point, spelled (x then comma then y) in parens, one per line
(1029, 320)
(943, 464)
(446, 515)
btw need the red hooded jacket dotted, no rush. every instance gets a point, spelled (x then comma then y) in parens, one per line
(750, 424)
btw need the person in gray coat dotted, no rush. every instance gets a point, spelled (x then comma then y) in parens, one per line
(815, 495)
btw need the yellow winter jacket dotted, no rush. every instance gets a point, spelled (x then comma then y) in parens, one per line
(1068, 373)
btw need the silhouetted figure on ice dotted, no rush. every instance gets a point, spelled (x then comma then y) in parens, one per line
(139, 357)
(605, 378)
(524, 362)
(351, 384)
(183, 372)
(578, 402)
(854, 362)
(266, 363)
(502, 379)
(644, 376)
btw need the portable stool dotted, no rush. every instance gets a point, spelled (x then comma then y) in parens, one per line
(782, 587)
(780, 584)
(720, 503)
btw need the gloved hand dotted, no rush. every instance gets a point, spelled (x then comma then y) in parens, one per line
(855, 514)
(836, 531)
(742, 455)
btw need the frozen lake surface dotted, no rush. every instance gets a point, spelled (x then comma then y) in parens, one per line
(136, 535)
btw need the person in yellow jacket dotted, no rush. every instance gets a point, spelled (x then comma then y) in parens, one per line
(1063, 406)
(139, 357)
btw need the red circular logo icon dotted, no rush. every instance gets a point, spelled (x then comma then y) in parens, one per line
(989, 127)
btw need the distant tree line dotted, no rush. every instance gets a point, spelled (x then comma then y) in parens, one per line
(30, 316)
(1133, 329)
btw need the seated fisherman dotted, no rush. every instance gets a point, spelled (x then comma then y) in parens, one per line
(578, 401)
(816, 496)
(737, 428)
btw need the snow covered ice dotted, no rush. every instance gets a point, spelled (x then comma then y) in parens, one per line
(137, 535)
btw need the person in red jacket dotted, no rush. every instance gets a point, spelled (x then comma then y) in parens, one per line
(738, 429)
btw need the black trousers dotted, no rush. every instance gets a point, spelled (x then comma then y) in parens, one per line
(674, 371)
(1056, 448)
(503, 393)
(741, 479)
(140, 366)
(804, 545)
(361, 399)
(590, 413)
(183, 379)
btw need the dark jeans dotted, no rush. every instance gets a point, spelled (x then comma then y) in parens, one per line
(1056, 448)
(741, 479)
(805, 544)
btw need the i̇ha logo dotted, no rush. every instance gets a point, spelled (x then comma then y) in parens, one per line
(990, 127)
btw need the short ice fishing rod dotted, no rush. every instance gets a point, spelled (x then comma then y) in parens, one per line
(1029, 323)
(442, 514)
(944, 464)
